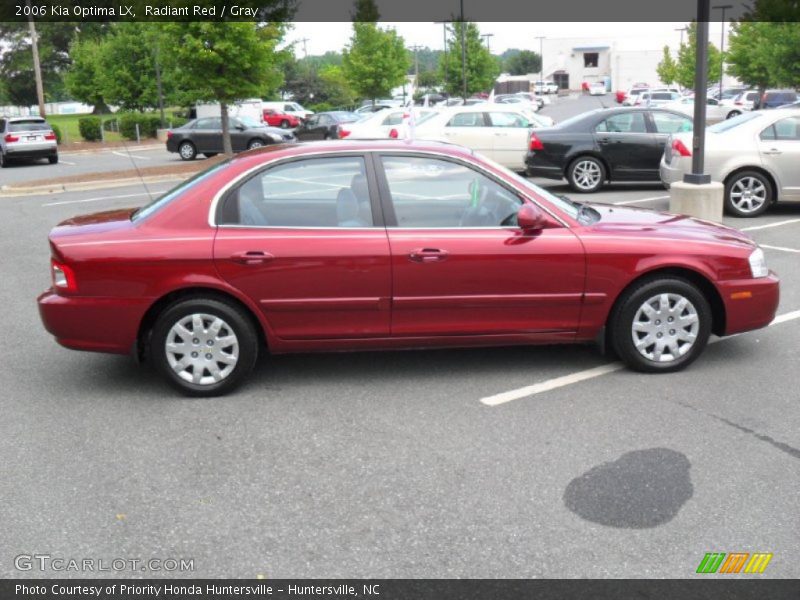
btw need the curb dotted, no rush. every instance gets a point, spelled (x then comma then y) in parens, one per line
(81, 186)
(133, 146)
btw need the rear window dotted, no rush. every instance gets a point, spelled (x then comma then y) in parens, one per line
(29, 125)
(734, 122)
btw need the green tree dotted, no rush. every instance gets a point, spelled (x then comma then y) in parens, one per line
(667, 69)
(365, 11)
(83, 79)
(376, 60)
(481, 67)
(224, 62)
(685, 69)
(523, 62)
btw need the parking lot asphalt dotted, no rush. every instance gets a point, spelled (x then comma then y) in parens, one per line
(390, 464)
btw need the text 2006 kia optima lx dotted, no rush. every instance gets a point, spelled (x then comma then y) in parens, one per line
(385, 245)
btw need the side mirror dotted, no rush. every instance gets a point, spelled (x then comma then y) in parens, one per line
(240, 128)
(530, 218)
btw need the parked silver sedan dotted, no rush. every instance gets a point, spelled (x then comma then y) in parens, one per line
(756, 155)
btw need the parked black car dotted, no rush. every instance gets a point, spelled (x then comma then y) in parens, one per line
(204, 136)
(613, 144)
(323, 126)
(775, 99)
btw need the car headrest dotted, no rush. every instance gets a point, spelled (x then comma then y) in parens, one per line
(359, 187)
(346, 205)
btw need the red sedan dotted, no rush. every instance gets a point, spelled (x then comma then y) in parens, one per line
(276, 118)
(379, 245)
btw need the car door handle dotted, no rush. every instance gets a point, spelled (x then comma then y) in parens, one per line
(501, 134)
(603, 141)
(773, 151)
(252, 257)
(427, 255)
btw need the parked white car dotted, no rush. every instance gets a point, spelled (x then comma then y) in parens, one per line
(715, 112)
(756, 155)
(499, 131)
(597, 88)
(287, 106)
(378, 125)
(545, 87)
(633, 94)
(653, 99)
(741, 103)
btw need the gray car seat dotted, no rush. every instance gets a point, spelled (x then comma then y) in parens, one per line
(347, 209)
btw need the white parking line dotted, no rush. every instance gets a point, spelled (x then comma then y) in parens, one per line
(126, 155)
(578, 376)
(641, 200)
(781, 248)
(65, 162)
(770, 225)
(97, 199)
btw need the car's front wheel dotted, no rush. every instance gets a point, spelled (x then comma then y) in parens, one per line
(747, 194)
(187, 151)
(586, 174)
(660, 325)
(733, 113)
(284, 124)
(204, 346)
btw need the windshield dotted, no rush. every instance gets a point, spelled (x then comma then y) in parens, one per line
(733, 122)
(185, 186)
(560, 203)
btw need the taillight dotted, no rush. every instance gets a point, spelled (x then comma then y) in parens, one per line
(394, 134)
(343, 133)
(63, 276)
(679, 147)
(738, 103)
(535, 143)
(50, 136)
(11, 138)
(169, 134)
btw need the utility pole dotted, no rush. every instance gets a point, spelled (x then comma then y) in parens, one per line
(723, 8)
(37, 67)
(415, 48)
(463, 50)
(487, 37)
(541, 39)
(682, 30)
(159, 88)
(305, 51)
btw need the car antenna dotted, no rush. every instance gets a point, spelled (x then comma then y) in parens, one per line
(138, 172)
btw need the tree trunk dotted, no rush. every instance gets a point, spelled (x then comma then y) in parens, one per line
(227, 148)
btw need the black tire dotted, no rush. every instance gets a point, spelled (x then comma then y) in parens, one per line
(4, 163)
(53, 159)
(581, 166)
(733, 113)
(256, 143)
(210, 154)
(741, 179)
(284, 124)
(235, 319)
(621, 323)
(187, 150)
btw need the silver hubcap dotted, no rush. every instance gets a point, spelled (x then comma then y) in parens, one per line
(187, 151)
(586, 174)
(748, 194)
(202, 349)
(255, 145)
(665, 327)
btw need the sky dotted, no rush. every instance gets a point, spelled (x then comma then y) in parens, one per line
(322, 37)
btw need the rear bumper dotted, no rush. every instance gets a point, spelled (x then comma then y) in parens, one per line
(31, 151)
(749, 303)
(93, 324)
(537, 166)
(670, 173)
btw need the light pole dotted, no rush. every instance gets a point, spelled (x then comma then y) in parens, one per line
(415, 48)
(700, 94)
(463, 52)
(682, 29)
(37, 67)
(541, 39)
(723, 8)
(444, 46)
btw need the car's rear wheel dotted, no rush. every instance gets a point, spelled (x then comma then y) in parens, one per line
(203, 346)
(733, 113)
(53, 159)
(255, 144)
(747, 194)
(284, 124)
(3, 161)
(187, 151)
(210, 154)
(586, 174)
(661, 325)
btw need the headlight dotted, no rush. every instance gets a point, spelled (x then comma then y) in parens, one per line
(758, 264)
(275, 137)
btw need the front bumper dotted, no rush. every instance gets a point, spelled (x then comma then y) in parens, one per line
(93, 324)
(749, 303)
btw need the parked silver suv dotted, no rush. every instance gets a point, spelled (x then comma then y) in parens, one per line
(26, 138)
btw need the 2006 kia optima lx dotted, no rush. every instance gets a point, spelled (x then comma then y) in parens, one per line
(377, 245)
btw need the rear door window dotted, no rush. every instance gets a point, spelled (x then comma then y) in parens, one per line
(632, 122)
(784, 130)
(467, 119)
